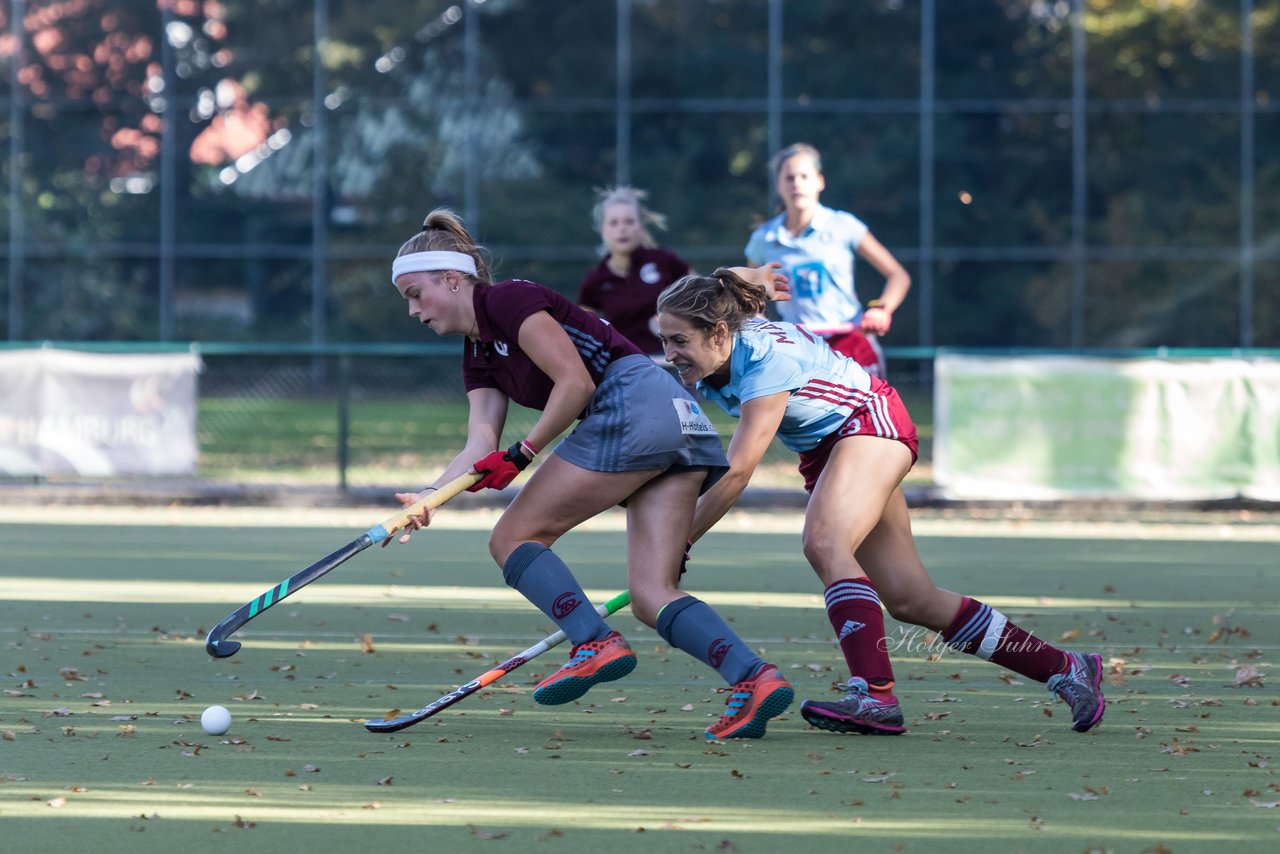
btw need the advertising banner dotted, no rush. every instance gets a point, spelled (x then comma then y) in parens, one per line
(64, 412)
(1045, 427)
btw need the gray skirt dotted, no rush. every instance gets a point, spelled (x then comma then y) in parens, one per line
(640, 418)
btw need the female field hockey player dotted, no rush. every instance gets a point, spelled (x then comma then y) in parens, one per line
(641, 440)
(623, 288)
(816, 246)
(856, 443)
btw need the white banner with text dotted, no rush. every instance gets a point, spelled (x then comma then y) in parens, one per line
(66, 412)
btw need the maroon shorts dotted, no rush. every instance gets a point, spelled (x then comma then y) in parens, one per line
(884, 415)
(863, 350)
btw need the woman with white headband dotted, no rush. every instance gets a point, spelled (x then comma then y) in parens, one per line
(641, 440)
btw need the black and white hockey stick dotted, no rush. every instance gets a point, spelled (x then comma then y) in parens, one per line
(218, 643)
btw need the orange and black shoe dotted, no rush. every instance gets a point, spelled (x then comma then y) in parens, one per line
(862, 710)
(752, 704)
(590, 664)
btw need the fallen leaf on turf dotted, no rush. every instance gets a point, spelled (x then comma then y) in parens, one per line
(479, 833)
(253, 793)
(385, 781)
(687, 707)
(1178, 748)
(1083, 796)
(738, 774)
(1266, 805)
(243, 824)
(57, 803)
(1248, 677)
(879, 778)
(366, 643)
(726, 846)
(311, 769)
(372, 805)
(252, 695)
(641, 752)
(398, 618)
(1069, 635)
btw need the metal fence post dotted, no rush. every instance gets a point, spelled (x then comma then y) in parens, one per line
(344, 418)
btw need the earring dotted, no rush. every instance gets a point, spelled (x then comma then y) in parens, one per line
(454, 289)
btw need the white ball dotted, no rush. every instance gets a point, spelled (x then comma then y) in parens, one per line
(216, 720)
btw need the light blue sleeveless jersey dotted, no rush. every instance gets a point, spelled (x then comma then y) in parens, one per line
(818, 261)
(773, 356)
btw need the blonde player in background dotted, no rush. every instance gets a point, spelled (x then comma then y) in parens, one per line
(623, 288)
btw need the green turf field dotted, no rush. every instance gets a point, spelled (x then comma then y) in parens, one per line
(105, 674)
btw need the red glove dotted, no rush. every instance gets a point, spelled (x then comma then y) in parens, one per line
(501, 467)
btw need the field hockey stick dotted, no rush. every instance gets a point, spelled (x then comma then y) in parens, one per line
(617, 603)
(217, 643)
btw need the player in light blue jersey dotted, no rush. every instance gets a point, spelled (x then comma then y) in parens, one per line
(856, 443)
(816, 246)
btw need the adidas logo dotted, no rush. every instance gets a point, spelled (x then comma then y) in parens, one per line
(849, 627)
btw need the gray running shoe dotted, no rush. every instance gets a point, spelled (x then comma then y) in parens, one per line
(859, 711)
(1081, 688)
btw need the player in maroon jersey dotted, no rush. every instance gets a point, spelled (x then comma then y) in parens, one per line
(641, 440)
(623, 288)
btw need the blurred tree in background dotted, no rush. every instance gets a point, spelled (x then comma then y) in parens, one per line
(516, 120)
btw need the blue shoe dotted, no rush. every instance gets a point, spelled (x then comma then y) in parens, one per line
(1081, 688)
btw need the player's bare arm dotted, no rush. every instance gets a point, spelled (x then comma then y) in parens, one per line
(487, 414)
(878, 315)
(756, 428)
(549, 346)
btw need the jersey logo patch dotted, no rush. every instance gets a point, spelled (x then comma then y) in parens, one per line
(650, 274)
(502, 348)
(693, 421)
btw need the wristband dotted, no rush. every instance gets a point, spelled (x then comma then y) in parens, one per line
(528, 446)
(517, 457)
(875, 303)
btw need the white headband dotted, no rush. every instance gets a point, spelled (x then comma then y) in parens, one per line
(426, 262)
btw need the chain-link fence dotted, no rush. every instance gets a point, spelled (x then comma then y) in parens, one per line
(389, 416)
